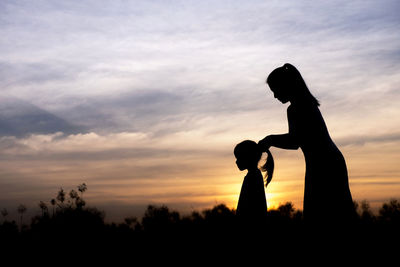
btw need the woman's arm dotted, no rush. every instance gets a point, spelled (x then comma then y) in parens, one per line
(284, 141)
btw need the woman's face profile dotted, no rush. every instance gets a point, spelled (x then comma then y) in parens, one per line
(280, 93)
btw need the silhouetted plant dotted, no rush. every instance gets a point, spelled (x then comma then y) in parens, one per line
(285, 214)
(53, 203)
(390, 212)
(73, 194)
(297, 216)
(286, 209)
(219, 213)
(159, 219)
(220, 219)
(80, 203)
(4, 213)
(21, 210)
(8, 232)
(366, 214)
(61, 197)
(82, 188)
(43, 207)
(131, 222)
(74, 199)
(193, 222)
(160, 225)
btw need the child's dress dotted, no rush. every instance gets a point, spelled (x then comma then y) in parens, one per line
(252, 205)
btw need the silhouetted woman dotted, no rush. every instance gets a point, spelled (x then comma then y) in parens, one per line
(327, 197)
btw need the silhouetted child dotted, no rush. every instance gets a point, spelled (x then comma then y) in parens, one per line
(252, 205)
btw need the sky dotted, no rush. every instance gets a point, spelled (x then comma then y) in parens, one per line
(144, 101)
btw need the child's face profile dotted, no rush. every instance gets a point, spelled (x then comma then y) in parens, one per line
(246, 154)
(241, 163)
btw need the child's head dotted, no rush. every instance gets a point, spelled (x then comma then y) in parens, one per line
(248, 153)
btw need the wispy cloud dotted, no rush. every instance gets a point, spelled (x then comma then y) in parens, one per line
(363, 139)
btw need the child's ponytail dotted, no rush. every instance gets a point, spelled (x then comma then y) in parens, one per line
(268, 167)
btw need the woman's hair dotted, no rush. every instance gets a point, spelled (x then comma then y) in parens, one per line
(252, 151)
(290, 78)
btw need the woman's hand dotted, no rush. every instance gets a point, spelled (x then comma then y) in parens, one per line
(265, 143)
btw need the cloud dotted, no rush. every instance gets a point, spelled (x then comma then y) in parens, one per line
(134, 87)
(144, 46)
(138, 111)
(363, 139)
(19, 118)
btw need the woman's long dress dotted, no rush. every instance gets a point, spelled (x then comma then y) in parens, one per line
(327, 196)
